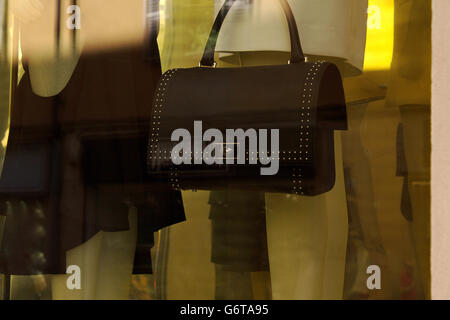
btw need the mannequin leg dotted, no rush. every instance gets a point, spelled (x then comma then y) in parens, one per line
(337, 217)
(86, 256)
(106, 263)
(359, 179)
(116, 262)
(307, 238)
(296, 233)
(365, 242)
(190, 273)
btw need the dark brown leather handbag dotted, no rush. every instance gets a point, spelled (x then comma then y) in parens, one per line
(302, 101)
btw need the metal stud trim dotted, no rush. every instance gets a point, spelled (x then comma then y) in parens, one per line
(155, 124)
(306, 132)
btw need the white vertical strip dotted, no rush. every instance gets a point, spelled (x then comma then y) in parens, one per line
(440, 173)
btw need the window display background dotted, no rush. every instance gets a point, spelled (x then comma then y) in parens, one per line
(377, 131)
(188, 272)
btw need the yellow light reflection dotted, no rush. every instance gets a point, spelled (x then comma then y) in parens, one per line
(380, 35)
(162, 22)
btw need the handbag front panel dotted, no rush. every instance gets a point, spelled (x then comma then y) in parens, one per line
(285, 98)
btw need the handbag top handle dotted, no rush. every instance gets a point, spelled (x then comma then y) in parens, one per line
(296, 47)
